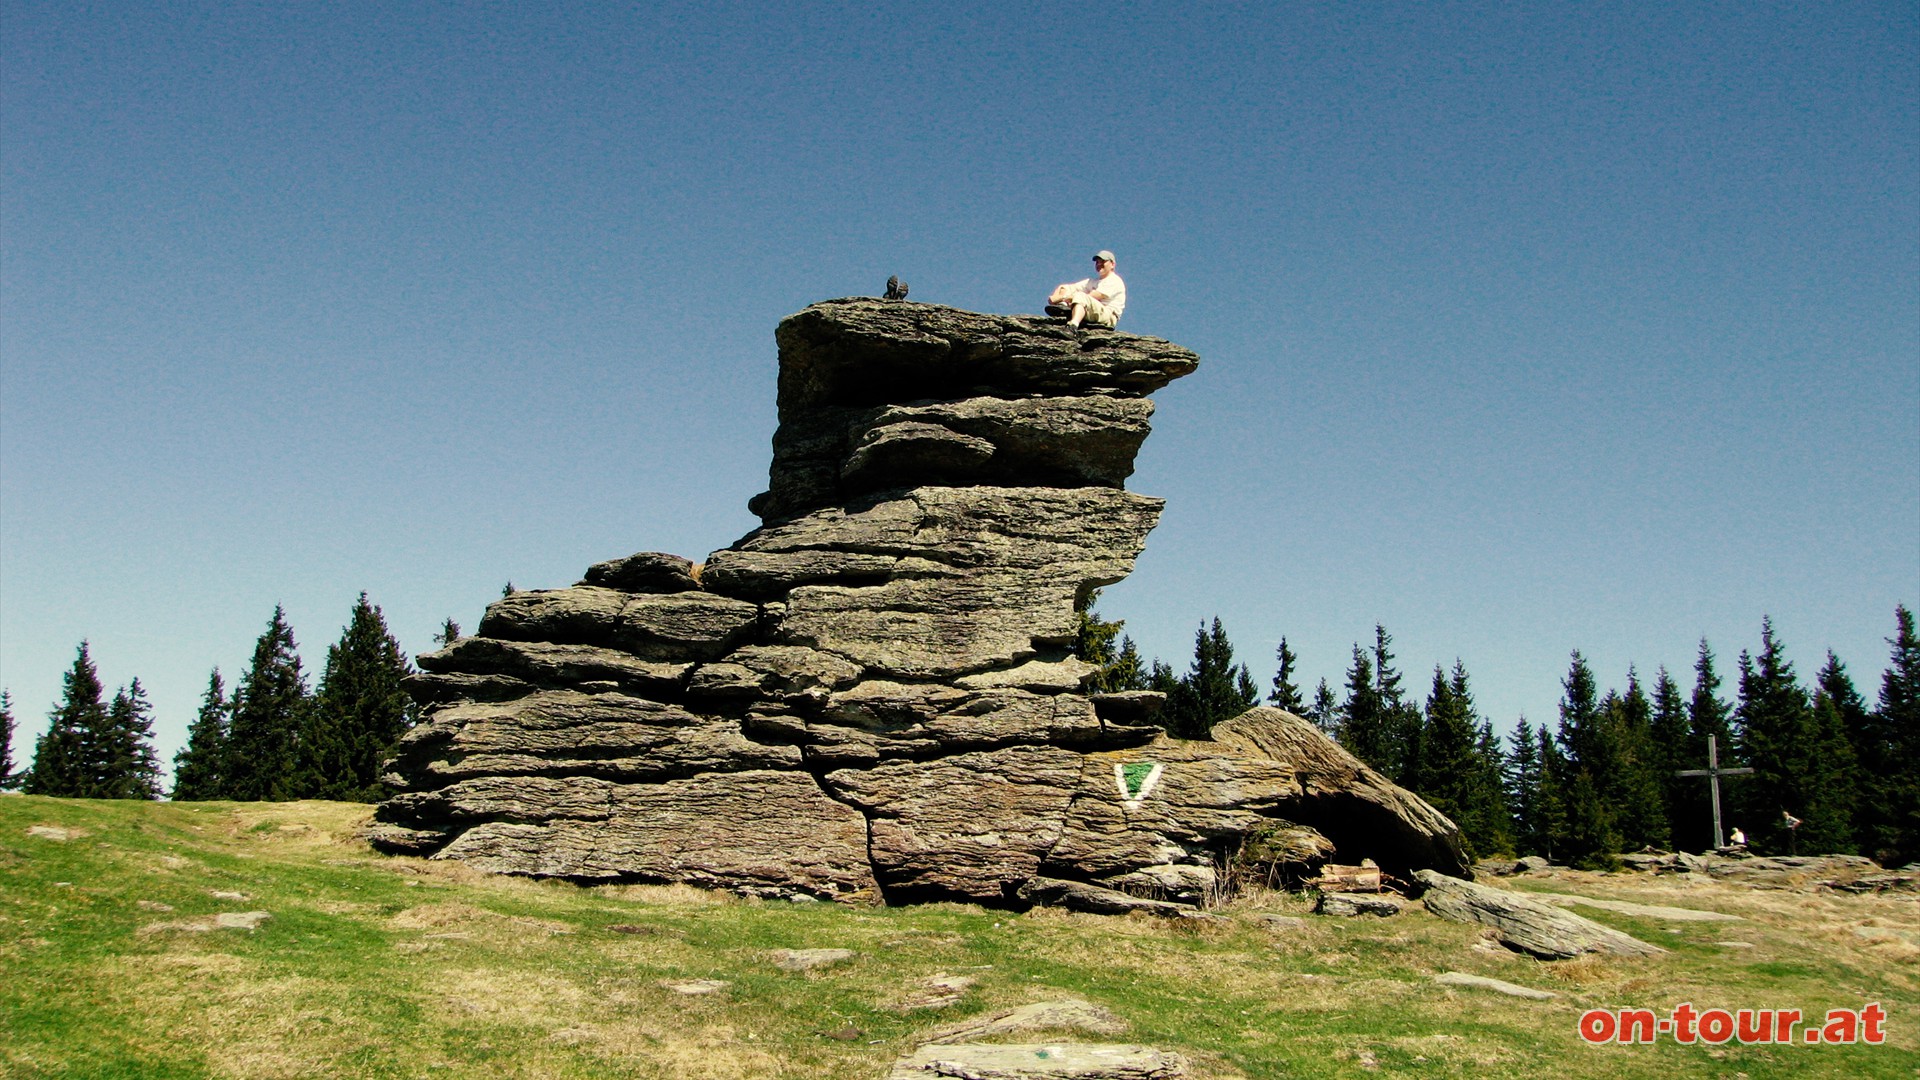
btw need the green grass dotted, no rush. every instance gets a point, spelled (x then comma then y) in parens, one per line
(383, 967)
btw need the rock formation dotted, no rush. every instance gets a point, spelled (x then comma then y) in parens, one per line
(874, 694)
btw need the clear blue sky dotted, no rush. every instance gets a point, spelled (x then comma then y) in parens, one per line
(1526, 327)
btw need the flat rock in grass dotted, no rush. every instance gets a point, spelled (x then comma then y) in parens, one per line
(1780, 871)
(1351, 904)
(1876, 883)
(1526, 924)
(1886, 933)
(1040, 1061)
(226, 920)
(694, 987)
(1280, 922)
(809, 959)
(1067, 1014)
(1649, 911)
(54, 833)
(936, 991)
(1498, 986)
(240, 920)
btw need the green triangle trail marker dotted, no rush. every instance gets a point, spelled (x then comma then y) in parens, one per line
(1136, 779)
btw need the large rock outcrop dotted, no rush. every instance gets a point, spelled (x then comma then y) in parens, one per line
(874, 694)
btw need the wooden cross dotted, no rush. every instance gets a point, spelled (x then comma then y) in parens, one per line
(1713, 772)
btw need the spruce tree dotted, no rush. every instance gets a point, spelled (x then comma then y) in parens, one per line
(1633, 789)
(1093, 636)
(1707, 715)
(1401, 716)
(1522, 776)
(1286, 695)
(1364, 728)
(1494, 815)
(128, 768)
(269, 713)
(1459, 771)
(1590, 838)
(1792, 759)
(359, 711)
(1550, 802)
(1897, 718)
(199, 769)
(1093, 643)
(7, 777)
(1834, 787)
(1325, 710)
(448, 634)
(1214, 689)
(1667, 745)
(1582, 737)
(1127, 672)
(1162, 679)
(60, 756)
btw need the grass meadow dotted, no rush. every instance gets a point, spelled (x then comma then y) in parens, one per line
(116, 966)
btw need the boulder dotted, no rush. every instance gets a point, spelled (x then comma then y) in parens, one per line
(1526, 924)
(1066, 1014)
(1039, 1061)
(646, 572)
(874, 693)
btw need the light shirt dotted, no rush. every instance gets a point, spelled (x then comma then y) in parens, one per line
(1111, 287)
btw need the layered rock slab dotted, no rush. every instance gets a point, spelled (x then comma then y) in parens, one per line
(873, 694)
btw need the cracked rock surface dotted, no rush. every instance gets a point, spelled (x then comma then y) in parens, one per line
(873, 695)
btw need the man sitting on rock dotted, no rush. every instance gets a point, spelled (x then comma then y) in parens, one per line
(1100, 298)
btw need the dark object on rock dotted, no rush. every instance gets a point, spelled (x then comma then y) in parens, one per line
(1528, 925)
(896, 289)
(873, 695)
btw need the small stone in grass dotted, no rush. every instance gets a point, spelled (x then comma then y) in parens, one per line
(808, 959)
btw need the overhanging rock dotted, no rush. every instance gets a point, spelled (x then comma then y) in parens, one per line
(874, 695)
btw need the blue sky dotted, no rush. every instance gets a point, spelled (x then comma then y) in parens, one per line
(1525, 327)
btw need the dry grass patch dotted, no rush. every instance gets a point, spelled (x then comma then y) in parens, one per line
(711, 1052)
(509, 996)
(668, 895)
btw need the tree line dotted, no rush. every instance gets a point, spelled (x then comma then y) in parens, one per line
(269, 739)
(1831, 773)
